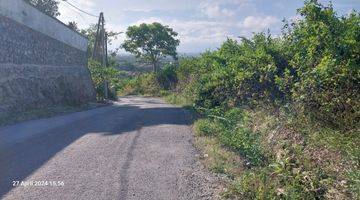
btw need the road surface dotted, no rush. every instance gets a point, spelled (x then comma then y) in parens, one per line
(139, 148)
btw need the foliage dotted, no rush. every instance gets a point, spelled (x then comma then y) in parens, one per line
(167, 77)
(90, 33)
(230, 127)
(101, 74)
(207, 127)
(309, 77)
(153, 84)
(151, 42)
(49, 7)
(178, 99)
(145, 84)
(290, 175)
(74, 26)
(217, 158)
(314, 67)
(237, 73)
(325, 55)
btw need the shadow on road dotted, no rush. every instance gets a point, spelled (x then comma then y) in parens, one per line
(20, 160)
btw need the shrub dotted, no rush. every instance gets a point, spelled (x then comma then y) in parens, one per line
(290, 177)
(207, 127)
(314, 66)
(325, 54)
(167, 78)
(232, 129)
(145, 84)
(152, 84)
(101, 74)
(311, 72)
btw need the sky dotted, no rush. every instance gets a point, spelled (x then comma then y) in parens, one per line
(201, 24)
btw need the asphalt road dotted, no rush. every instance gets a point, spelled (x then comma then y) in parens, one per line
(139, 148)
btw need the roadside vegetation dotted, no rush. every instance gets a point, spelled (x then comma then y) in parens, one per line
(100, 74)
(279, 117)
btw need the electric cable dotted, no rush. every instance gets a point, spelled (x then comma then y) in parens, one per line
(77, 8)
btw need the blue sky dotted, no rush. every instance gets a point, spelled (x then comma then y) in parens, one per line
(201, 24)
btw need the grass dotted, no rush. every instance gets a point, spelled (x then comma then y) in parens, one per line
(177, 99)
(267, 153)
(275, 155)
(219, 159)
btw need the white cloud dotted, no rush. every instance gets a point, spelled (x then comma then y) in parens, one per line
(148, 21)
(195, 33)
(221, 8)
(214, 11)
(258, 23)
(201, 34)
(201, 31)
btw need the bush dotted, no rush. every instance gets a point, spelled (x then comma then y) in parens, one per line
(167, 78)
(232, 129)
(236, 74)
(145, 84)
(311, 72)
(288, 177)
(207, 127)
(241, 138)
(151, 84)
(314, 66)
(99, 74)
(325, 55)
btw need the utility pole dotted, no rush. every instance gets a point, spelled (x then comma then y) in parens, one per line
(100, 49)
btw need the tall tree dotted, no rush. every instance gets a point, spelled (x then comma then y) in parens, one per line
(49, 7)
(151, 42)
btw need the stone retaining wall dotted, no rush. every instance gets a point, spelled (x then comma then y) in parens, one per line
(39, 68)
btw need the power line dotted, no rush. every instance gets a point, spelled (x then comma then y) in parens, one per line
(77, 8)
(81, 17)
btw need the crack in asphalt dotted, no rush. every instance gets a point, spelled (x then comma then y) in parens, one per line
(124, 179)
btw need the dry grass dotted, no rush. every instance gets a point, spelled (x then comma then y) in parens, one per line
(295, 152)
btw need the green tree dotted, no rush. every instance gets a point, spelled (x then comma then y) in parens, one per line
(90, 32)
(49, 7)
(74, 26)
(151, 42)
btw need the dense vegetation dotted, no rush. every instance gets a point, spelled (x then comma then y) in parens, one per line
(290, 106)
(100, 74)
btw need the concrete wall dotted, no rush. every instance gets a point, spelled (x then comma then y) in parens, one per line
(42, 62)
